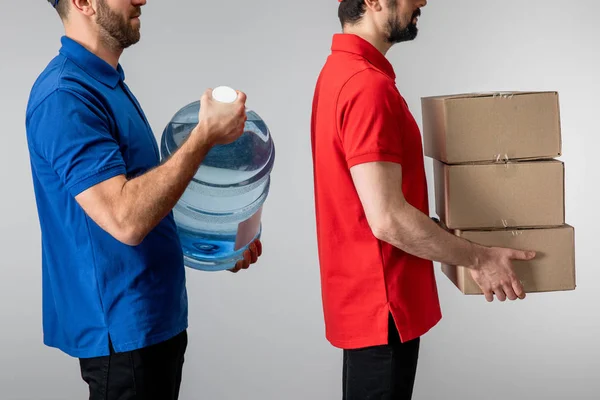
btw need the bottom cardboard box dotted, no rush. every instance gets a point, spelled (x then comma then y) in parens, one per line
(553, 268)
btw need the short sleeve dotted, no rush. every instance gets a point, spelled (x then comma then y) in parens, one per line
(369, 112)
(73, 137)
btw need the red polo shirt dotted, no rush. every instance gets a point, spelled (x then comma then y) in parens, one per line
(358, 117)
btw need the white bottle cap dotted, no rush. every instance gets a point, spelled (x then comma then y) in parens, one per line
(224, 94)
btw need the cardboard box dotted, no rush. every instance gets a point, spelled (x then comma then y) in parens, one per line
(553, 268)
(516, 194)
(484, 127)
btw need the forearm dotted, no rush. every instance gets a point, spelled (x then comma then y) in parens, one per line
(147, 199)
(414, 232)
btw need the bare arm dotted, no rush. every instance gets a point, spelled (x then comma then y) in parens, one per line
(393, 220)
(129, 209)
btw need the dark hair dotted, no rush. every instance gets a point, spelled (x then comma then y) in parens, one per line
(61, 7)
(351, 11)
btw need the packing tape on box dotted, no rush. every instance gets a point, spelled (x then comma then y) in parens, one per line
(500, 94)
(503, 95)
(507, 223)
(501, 158)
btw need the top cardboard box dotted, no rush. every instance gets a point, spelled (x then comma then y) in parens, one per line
(487, 127)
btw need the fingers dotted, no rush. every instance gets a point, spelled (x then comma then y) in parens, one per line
(485, 288)
(237, 267)
(250, 256)
(489, 295)
(518, 288)
(247, 259)
(253, 253)
(499, 292)
(241, 97)
(258, 244)
(509, 291)
(241, 112)
(241, 264)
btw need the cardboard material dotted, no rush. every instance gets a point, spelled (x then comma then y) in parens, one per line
(553, 269)
(498, 195)
(484, 127)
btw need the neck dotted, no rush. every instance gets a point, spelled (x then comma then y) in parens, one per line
(370, 34)
(94, 42)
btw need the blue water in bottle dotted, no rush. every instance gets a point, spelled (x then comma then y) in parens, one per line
(219, 214)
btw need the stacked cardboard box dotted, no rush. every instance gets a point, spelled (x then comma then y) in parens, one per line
(498, 183)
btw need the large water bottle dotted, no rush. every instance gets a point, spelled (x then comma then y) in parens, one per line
(219, 214)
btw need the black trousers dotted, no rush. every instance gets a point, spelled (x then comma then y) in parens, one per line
(151, 373)
(381, 372)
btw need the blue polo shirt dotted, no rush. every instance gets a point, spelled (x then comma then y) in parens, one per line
(85, 126)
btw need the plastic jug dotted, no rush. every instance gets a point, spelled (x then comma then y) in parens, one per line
(219, 214)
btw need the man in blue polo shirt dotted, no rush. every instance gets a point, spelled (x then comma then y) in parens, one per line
(114, 291)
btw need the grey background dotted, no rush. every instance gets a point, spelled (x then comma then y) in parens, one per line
(259, 334)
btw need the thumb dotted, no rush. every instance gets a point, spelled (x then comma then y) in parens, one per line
(523, 255)
(207, 95)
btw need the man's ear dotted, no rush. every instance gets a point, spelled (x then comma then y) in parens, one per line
(374, 5)
(85, 7)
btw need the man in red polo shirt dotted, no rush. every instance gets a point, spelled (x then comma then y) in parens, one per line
(376, 241)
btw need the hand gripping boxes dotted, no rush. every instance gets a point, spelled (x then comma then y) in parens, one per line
(498, 183)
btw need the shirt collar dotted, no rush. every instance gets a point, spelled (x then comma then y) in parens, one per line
(96, 67)
(351, 43)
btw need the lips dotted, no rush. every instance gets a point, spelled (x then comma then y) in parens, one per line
(416, 15)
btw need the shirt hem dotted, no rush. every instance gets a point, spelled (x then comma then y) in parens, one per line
(100, 351)
(373, 157)
(150, 340)
(105, 173)
(379, 340)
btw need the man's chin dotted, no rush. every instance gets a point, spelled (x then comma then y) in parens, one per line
(402, 39)
(130, 43)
